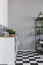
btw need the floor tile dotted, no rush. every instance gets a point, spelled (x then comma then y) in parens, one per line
(28, 58)
(26, 63)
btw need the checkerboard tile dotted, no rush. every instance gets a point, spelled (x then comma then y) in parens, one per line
(28, 58)
(37, 57)
(33, 63)
(26, 63)
(39, 60)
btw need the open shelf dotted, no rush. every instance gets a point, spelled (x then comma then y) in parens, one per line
(39, 19)
(39, 26)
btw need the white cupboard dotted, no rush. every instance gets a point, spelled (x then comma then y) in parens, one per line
(7, 50)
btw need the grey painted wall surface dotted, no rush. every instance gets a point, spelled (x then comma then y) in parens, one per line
(21, 18)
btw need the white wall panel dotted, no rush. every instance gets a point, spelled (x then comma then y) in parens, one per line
(4, 12)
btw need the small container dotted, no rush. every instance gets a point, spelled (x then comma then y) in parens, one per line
(6, 34)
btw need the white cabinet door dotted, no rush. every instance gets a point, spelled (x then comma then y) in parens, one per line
(7, 50)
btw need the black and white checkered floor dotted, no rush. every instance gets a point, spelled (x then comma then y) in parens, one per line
(28, 58)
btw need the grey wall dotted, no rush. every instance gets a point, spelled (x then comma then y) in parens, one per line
(21, 18)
